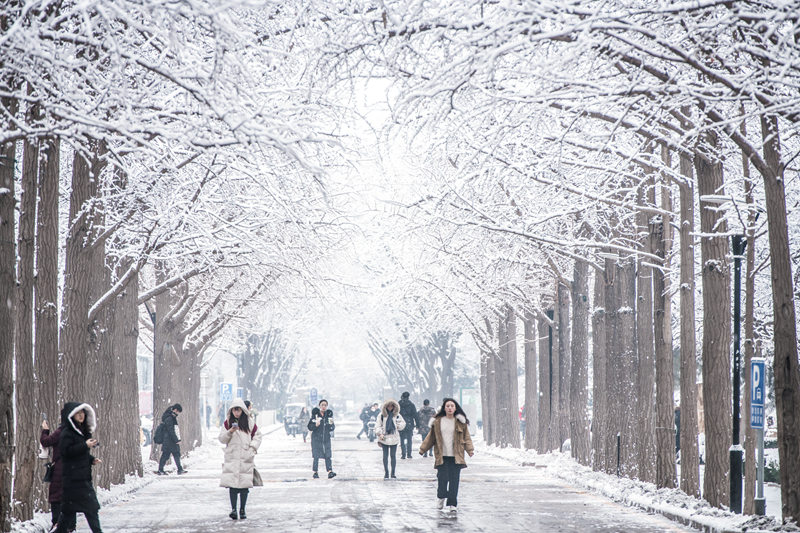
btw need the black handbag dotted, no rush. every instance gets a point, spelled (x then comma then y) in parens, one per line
(48, 472)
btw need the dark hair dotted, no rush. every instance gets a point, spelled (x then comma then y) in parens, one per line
(247, 403)
(323, 400)
(243, 420)
(426, 402)
(405, 394)
(178, 407)
(458, 411)
(83, 427)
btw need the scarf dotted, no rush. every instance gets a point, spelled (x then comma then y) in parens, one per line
(390, 424)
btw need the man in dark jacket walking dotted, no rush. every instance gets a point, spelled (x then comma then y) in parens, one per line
(172, 438)
(321, 426)
(409, 413)
(425, 414)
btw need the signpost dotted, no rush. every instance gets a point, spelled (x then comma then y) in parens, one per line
(239, 392)
(758, 393)
(225, 392)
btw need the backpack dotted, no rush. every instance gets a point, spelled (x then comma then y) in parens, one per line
(158, 437)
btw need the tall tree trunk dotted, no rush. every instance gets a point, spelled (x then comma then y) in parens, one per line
(628, 362)
(645, 345)
(599, 382)
(555, 379)
(716, 331)
(545, 398)
(613, 426)
(579, 382)
(47, 271)
(665, 412)
(531, 381)
(787, 373)
(484, 381)
(690, 455)
(26, 451)
(564, 362)
(749, 343)
(8, 257)
(511, 376)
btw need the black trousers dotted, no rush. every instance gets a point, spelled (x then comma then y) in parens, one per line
(389, 451)
(449, 475)
(405, 442)
(328, 464)
(175, 452)
(363, 430)
(69, 518)
(242, 494)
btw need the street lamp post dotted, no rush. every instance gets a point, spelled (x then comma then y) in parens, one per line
(736, 452)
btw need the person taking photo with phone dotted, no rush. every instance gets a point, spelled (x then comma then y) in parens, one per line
(321, 426)
(241, 438)
(50, 439)
(75, 446)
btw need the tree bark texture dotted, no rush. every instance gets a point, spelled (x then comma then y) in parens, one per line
(614, 405)
(690, 455)
(716, 333)
(555, 380)
(545, 398)
(511, 376)
(628, 362)
(599, 382)
(579, 377)
(531, 383)
(564, 362)
(484, 381)
(787, 373)
(749, 345)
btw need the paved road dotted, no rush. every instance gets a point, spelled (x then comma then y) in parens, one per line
(495, 496)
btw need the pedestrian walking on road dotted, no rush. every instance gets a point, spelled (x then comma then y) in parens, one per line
(409, 412)
(449, 437)
(75, 446)
(241, 437)
(172, 438)
(364, 417)
(50, 439)
(301, 419)
(425, 415)
(321, 426)
(390, 424)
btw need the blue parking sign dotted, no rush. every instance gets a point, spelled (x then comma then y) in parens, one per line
(226, 392)
(757, 392)
(312, 396)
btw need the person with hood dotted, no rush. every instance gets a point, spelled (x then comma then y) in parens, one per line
(241, 438)
(172, 438)
(389, 426)
(449, 437)
(425, 414)
(50, 439)
(321, 426)
(75, 446)
(409, 412)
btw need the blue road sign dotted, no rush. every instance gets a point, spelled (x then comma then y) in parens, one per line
(239, 392)
(757, 392)
(312, 396)
(226, 392)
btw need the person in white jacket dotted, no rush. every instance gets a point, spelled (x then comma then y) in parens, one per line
(241, 438)
(390, 424)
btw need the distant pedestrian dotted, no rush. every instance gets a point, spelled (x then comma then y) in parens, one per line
(221, 414)
(50, 439)
(409, 412)
(241, 438)
(172, 439)
(364, 417)
(449, 437)
(208, 416)
(76, 444)
(303, 418)
(425, 414)
(321, 426)
(390, 424)
(253, 411)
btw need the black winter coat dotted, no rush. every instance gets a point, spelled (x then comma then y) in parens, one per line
(321, 435)
(171, 438)
(78, 493)
(409, 413)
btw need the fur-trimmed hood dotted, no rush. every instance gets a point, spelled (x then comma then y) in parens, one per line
(385, 408)
(71, 409)
(459, 417)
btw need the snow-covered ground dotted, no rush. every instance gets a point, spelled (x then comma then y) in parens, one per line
(502, 490)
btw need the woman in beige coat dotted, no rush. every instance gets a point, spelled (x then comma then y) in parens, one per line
(449, 437)
(242, 439)
(389, 426)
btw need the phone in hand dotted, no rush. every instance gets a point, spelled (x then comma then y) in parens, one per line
(235, 425)
(44, 415)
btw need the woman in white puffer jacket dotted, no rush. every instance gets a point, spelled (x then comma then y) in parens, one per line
(242, 439)
(390, 424)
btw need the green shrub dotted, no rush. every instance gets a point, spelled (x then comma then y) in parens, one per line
(772, 471)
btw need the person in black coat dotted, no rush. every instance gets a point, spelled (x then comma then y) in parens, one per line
(76, 444)
(409, 413)
(50, 439)
(172, 438)
(321, 426)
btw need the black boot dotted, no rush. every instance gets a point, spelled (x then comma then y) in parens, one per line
(242, 514)
(233, 514)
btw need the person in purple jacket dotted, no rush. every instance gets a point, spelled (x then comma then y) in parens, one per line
(50, 439)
